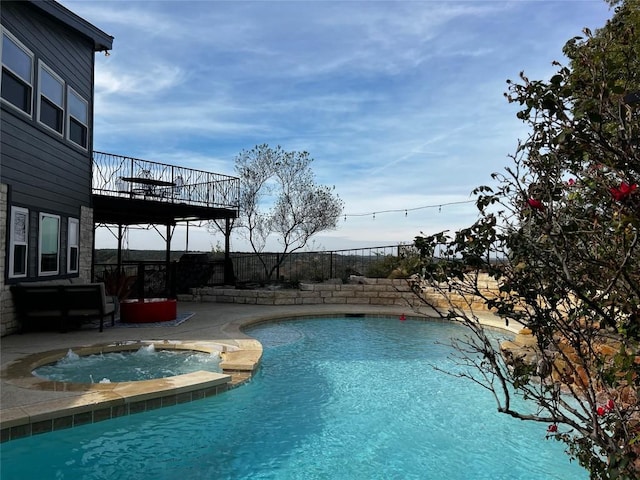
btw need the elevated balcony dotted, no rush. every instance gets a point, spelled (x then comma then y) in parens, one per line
(129, 191)
(115, 175)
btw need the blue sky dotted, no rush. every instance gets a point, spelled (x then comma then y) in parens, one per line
(399, 103)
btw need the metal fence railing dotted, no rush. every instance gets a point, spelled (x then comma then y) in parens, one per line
(319, 266)
(189, 270)
(145, 278)
(116, 175)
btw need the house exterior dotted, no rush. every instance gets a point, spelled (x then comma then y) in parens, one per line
(46, 135)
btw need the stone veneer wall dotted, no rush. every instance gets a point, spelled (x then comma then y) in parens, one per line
(368, 291)
(8, 321)
(86, 243)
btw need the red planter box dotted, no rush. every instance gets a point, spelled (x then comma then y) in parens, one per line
(148, 310)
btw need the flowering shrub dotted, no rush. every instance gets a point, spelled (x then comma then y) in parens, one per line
(535, 204)
(559, 231)
(623, 191)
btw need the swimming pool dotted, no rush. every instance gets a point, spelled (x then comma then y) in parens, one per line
(354, 398)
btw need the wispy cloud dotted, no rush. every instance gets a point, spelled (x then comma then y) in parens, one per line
(400, 103)
(148, 80)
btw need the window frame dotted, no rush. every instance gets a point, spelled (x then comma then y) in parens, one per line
(4, 32)
(73, 244)
(13, 243)
(72, 93)
(41, 272)
(41, 96)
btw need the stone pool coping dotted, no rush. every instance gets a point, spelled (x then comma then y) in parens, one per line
(102, 401)
(39, 405)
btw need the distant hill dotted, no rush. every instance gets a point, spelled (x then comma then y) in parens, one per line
(110, 255)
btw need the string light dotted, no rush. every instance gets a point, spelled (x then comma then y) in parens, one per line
(407, 210)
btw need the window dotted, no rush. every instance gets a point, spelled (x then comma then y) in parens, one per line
(17, 73)
(51, 98)
(78, 118)
(73, 245)
(49, 237)
(18, 242)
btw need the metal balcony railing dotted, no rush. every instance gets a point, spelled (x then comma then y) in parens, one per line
(119, 176)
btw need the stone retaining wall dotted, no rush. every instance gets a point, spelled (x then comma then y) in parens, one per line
(371, 291)
(361, 291)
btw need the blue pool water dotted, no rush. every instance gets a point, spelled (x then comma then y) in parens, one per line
(354, 398)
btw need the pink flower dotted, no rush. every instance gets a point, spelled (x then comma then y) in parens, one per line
(571, 182)
(601, 411)
(535, 204)
(552, 428)
(610, 405)
(623, 191)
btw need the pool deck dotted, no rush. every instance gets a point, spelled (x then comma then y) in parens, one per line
(29, 405)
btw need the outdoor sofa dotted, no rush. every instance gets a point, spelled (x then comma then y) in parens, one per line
(62, 301)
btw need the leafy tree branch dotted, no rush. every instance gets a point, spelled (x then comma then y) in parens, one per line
(557, 235)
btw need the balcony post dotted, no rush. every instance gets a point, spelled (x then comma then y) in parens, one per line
(229, 277)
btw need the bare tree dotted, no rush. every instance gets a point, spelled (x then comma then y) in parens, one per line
(279, 198)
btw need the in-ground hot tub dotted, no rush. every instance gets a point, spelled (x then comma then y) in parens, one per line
(148, 310)
(130, 365)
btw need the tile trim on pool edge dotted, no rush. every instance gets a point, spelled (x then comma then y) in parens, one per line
(60, 421)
